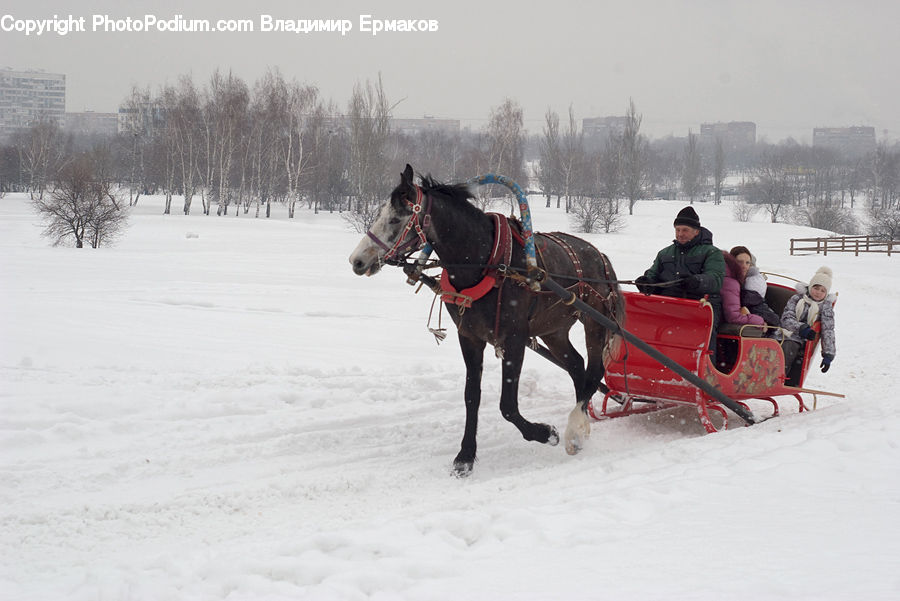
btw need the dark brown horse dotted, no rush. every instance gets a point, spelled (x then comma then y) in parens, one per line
(502, 311)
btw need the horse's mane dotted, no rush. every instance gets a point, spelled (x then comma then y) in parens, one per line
(459, 192)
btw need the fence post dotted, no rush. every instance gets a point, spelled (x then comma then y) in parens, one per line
(856, 254)
(825, 245)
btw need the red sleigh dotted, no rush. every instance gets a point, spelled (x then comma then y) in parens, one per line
(748, 365)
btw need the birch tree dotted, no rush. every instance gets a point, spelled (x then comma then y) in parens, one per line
(226, 107)
(41, 153)
(506, 137)
(370, 127)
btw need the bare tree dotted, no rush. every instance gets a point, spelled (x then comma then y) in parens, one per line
(690, 173)
(169, 102)
(325, 180)
(41, 152)
(744, 211)
(437, 152)
(883, 175)
(718, 170)
(609, 171)
(826, 217)
(369, 118)
(506, 135)
(771, 185)
(81, 206)
(600, 184)
(665, 167)
(476, 160)
(226, 107)
(549, 167)
(300, 102)
(140, 120)
(591, 213)
(10, 171)
(634, 157)
(885, 223)
(262, 168)
(571, 158)
(185, 120)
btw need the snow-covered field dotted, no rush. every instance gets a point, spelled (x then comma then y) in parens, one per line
(217, 408)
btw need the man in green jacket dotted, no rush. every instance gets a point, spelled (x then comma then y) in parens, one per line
(691, 267)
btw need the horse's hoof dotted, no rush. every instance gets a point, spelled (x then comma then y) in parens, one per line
(552, 437)
(577, 430)
(462, 469)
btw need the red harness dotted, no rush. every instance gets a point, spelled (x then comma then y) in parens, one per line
(501, 254)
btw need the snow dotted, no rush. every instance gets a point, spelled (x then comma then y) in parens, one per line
(217, 408)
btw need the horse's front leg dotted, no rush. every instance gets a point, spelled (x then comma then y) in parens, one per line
(473, 355)
(513, 355)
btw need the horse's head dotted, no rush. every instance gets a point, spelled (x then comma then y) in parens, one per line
(396, 230)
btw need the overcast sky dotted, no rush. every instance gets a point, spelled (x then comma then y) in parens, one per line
(788, 65)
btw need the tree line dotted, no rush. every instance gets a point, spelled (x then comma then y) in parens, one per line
(806, 185)
(233, 148)
(226, 147)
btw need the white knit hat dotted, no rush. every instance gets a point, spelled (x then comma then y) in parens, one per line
(822, 278)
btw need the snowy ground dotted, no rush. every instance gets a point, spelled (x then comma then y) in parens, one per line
(235, 415)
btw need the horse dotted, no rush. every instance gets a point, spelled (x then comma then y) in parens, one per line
(491, 302)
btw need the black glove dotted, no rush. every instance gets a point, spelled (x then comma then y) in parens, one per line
(692, 282)
(642, 286)
(807, 332)
(827, 358)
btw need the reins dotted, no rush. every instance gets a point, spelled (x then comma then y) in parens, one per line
(514, 272)
(528, 275)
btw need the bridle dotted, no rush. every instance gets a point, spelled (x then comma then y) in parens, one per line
(413, 244)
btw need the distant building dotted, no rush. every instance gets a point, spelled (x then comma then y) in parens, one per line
(91, 123)
(27, 97)
(599, 129)
(412, 127)
(848, 141)
(736, 136)
(143, 118)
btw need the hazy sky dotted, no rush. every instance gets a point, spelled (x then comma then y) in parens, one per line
(788, 65)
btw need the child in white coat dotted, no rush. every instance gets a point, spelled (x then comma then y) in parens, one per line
(811, 303)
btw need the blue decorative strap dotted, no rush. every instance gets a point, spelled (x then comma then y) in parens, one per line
(524, 211)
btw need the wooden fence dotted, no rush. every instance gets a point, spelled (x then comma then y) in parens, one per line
(845, 244)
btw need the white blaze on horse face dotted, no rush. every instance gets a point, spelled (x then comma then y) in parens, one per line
(364, 258)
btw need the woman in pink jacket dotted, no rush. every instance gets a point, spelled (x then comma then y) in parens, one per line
(731, 295)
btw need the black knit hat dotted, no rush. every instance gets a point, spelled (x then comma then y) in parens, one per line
(688, 216)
